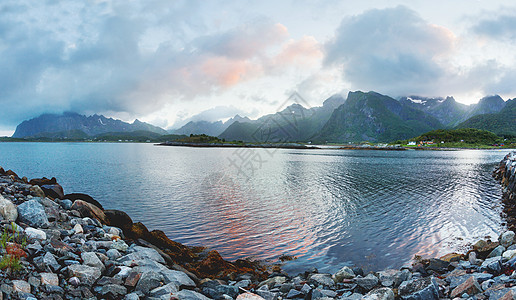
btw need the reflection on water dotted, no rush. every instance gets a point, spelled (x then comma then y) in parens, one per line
(329, 207)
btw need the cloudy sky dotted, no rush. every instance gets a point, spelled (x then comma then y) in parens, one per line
(166, 62)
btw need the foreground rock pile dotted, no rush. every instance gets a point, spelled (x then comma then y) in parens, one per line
(67, 246)
(506, 174)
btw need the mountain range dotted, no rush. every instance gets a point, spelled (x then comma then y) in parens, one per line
(361, 116)
(70, 124)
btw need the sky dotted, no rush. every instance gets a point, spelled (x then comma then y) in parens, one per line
(168, 62)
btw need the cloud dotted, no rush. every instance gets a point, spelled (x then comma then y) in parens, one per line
(390, 50)
(130, 58)
(497, 26)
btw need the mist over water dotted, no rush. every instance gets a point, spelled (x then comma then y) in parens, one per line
(374, 209)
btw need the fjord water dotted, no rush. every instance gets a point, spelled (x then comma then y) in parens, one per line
(374, 209)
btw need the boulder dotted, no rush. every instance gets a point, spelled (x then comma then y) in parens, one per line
(21, 286)
(164, 291)
(54, 191)
(89, 210)
(419, 289)
(83, 197)
(8, 210)
(33, 214)
(178, 278)
(118, 218)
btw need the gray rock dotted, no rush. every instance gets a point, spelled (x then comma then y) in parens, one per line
(86, 274)
(8, 210)
(149, 281)
(492, 265)
(419, 289)
(401, 276)
(380, 294)
(178, 278)
(367, 283)
(49, 279)
(66, 204)
(113, 254)
(286, 287)
(267, 295)
(344, 273)
(487, 284)
(33, 213)
(498, 251)
(189, 295)
(293, 293)
(354, 296)
(243, 283)
(50, 260)
(149, 253)
(457, 280)
(507, 238)
(166, 290)
(322, 279)
(33, 233)
(228, 290)
(21, 286)
(113, 290)
(91, 259)
(387, 277)
(132, 296)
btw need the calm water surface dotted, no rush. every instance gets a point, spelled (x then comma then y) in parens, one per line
(375, 209)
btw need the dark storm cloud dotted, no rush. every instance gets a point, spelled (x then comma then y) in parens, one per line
(390, 50)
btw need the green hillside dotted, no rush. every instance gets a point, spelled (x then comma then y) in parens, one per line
(502, 123)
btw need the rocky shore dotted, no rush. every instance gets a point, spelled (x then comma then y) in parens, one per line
(67, 246)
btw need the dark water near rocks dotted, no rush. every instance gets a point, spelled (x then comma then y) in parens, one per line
(375, 209)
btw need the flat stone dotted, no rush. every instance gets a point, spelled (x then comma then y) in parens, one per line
(36, 191)
(322, 279)
(87, 274)
(229, 290)
(119, 245)
(189, 295)
(380, 294)
(439, 266)
(507, 238)
(33, 214)
(267, 295)
(132, 296)
(149, 253)
(470, 287)
(419, 289)
(368, 282)
(243, 283)
(49, 279)
(104, 280)
(21, 286)
(33, 233)
(510, 295)
(91, 259)
(8, 210)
